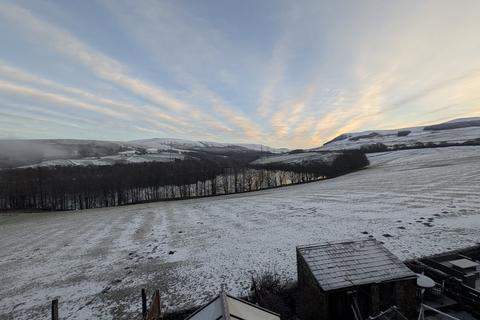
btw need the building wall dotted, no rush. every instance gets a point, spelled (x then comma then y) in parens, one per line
(312, 302)
(401, 293)
(405, 296)
(374, 298)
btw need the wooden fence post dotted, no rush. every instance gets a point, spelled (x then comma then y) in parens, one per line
(144, 304)
(157, 293)
(55, 309)
(155, 311)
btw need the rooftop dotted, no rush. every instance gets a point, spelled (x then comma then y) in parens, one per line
(225, 307)
(464, 263)
(337, 265)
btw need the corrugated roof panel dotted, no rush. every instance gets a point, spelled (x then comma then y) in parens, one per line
(351, 263)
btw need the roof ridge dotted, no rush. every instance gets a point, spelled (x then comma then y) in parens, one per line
(321, 244)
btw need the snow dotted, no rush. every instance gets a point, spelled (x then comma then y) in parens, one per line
(64, 152)
(417, 134)
(96, 261)
(298, 158)
(166, 143)
(185, 145)
(464, 119)
(110, 160)
(262, 147)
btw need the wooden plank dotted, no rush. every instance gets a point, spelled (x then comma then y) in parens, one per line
(226, 312)
(144, 304)
(55, 309)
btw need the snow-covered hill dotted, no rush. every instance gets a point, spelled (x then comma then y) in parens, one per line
(187, 145)
(111, 160)
(298, 158)
(452, 132)
(69, 152)
(15, 153)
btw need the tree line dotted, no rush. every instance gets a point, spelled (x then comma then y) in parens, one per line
(381, 147)
(77, 187)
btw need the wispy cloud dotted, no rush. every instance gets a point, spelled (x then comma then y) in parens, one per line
(288, 116)
(102, 66)
(59, 95)
(33, 94)
(297, 75)
(276, 72)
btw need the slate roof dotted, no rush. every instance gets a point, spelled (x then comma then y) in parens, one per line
(352, 263)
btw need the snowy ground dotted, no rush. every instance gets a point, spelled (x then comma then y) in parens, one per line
(96, 261)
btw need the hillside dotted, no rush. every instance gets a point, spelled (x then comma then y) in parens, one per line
(458, 131)
(418, 202)
(68, 152)
(188, 145)
(302, 158)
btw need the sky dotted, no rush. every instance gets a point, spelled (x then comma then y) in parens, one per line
(284, 73)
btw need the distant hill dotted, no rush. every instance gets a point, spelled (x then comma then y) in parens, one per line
(71, 152)
(458, 131)
(180, 144)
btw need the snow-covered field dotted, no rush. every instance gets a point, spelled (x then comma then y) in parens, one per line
(417, 201)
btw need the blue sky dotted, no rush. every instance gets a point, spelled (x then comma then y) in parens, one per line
(284, 73)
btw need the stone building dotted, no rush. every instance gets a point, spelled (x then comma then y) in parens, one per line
(352, 280)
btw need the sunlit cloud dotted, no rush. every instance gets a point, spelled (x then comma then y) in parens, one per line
(287, 118)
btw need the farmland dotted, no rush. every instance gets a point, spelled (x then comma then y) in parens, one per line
(416, 201)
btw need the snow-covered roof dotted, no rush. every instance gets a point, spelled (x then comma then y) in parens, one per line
(352, 263)
(225, 307)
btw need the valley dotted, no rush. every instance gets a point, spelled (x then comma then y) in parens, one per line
(417, 202)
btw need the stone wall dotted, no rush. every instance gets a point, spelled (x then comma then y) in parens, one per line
(405, 297)
(312, 302)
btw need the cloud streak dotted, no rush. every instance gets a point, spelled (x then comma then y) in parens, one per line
(303, 77)
(102, 66)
